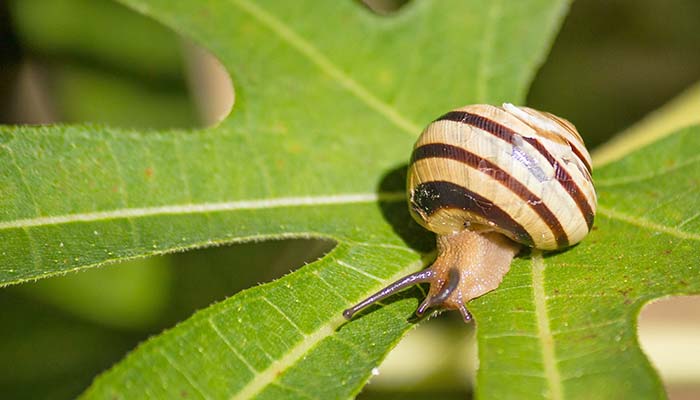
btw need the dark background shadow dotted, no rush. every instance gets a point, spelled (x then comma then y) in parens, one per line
(397, 215)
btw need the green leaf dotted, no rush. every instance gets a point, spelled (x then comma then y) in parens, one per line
(319, 122)
(329, 98)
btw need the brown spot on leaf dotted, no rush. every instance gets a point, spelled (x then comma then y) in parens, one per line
(149, 172)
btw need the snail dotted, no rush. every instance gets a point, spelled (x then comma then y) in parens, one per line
(488, 181)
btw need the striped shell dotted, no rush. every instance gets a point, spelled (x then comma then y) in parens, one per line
(514, 170)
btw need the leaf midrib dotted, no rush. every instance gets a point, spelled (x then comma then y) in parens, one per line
(551, 370)
(280, 202)
(200, 208)
(313, 54)
(480, 82)
(273, 372)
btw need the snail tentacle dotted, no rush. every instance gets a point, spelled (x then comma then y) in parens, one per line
(408, 280)
(445, 292)
(466, 315)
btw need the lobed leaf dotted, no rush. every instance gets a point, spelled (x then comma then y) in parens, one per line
(328, 100)
(319, 119)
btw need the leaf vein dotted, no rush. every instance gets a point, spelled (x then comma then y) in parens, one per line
(644, 223)
(198, 208)
(512, 288)
(579, 374)
(331, 287)
(642, 177)
(262, 166)
(570, 356)
(33, 248)
(182, 372)
(670, 200)
(181, 169)
(556, 332)
(582, 295)
(295, 390)
(510, 334)
(231, 347)
(551, 369)
(23, 180)
(135, 236)
(326, 65)
(271, 373)
(528, 374)
(687, 220)
(358, 270)
(381, 245)
(488, 39)
(284, 315)
(353, 347)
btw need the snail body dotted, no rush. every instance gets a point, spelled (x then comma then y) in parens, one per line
(489, 180)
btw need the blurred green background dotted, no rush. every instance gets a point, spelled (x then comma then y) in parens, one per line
(96, 61)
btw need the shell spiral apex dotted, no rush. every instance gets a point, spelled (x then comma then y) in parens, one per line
(488, 180)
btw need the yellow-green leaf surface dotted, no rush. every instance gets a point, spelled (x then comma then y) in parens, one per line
(329, 98)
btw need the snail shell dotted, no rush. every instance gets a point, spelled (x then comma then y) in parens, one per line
(488, 180)
(514, 170)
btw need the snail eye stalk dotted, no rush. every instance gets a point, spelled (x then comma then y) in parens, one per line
(442, 295)
(425, 275)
